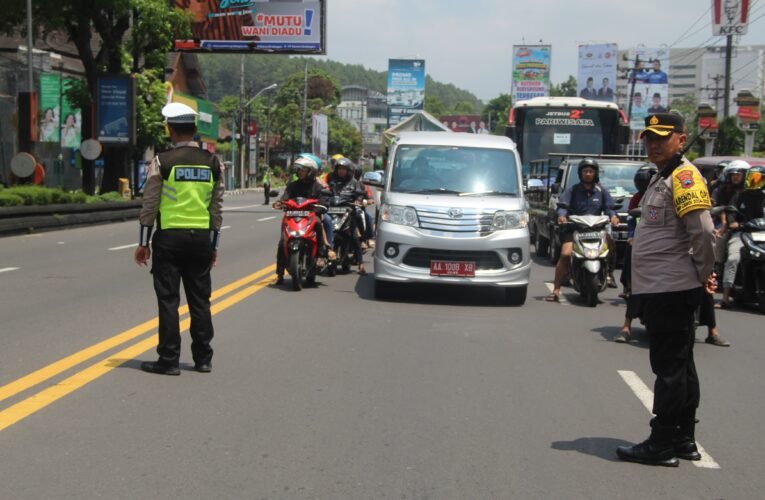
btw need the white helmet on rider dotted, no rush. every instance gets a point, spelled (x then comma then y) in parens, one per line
(736, 167)
(305, 161)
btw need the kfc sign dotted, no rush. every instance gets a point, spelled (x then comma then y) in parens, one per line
(730, 17)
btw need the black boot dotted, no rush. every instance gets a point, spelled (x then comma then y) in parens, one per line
(658, 449)
(684, 440)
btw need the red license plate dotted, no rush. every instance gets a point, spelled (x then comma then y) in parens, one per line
(449, 268)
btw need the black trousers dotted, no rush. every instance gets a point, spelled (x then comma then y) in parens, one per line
(183, 255)
(669, 320)
(266, 193)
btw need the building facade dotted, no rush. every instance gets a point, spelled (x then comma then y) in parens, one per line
(366, 110)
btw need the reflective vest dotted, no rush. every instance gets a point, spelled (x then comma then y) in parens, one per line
(186, 196)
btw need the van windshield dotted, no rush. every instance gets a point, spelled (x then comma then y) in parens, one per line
(618, 178)
(449, 170)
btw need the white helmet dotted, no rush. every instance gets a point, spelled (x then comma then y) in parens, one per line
(736, 167)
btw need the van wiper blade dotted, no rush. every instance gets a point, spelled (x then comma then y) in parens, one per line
(490, 193)
(435, 191)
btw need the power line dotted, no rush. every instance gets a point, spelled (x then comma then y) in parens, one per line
(686, 35)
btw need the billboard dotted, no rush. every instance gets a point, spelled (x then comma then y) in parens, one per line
(59, 118)
(471, 124)
(406, 89)
(114, 104)
(651, 94)
(596, 77)
(319, 135)
(730, 17)
(531, 71)
(267, 26)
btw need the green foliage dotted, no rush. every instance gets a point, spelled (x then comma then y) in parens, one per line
(110, 196)
(10, 200)
(498, 109)
(565, 89)
(730, 140)
(41, 195)
(435, 106)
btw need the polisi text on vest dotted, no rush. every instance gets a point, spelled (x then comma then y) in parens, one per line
(192, 174)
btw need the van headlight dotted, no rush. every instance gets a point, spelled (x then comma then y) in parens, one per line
(395, 214)
(510, 219)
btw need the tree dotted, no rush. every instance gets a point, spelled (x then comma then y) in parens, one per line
(434, 106)
(496, 113)
(565, 89)
(129, 36)
(730, 140)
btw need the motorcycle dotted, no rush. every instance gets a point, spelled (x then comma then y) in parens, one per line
(589, 259)
(749, 284)
(301, 244)
(341, 210)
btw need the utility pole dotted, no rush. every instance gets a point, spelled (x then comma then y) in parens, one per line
(728, 54)
(305, 107)
(30, 48)
(242, 150)
(715, 93)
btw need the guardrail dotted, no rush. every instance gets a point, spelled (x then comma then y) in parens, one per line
(29, 219)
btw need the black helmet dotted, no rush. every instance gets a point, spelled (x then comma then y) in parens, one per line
(643, 177)
(589, 163)
(344, 162)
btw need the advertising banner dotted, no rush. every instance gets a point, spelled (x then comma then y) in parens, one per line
(531, 71)
(596, 77)
(114, 119)
(651, 84)
(406, 88)
(730, 17)
(319, 135)
(471, 124)
(57, 113)
(269, 26)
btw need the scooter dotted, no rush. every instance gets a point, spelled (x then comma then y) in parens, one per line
(749, 284)
(589, 259)
(341, 209)
(301, 245)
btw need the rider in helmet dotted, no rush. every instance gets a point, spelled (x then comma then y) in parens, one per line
(749, 204)
(587, 197)
(641, 179)
(732, 182)
(306, 167)
(341, 182)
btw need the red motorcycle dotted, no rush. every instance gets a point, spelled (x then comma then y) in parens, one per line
(300, 242)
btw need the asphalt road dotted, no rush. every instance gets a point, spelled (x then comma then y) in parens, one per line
(328, 394)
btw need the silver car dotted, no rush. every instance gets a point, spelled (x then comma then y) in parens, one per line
(453, 212)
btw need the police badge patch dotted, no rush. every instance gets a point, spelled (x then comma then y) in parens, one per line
(685, 178)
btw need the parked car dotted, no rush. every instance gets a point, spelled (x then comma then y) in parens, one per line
(616, 175)
(453, 212)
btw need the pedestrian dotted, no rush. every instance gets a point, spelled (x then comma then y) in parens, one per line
(267, 186)
(183, 194)
(672, 267)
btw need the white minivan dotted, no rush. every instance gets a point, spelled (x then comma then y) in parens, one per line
(453, 212)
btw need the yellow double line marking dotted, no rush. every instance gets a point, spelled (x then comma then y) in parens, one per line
(45, 397)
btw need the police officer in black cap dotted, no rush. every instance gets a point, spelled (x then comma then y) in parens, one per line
(672, 263)
(183, 195)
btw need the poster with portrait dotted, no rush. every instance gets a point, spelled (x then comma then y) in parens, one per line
(406, 89)
(651, 78)
(531, 71)
(319, 135)
(596, 76)
(265, 26)
(57, 113)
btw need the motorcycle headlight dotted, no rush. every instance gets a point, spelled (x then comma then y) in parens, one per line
(591, 253)
(509, 219)
(296, 233)
(395, 214)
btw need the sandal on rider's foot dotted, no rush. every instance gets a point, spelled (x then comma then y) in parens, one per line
(623, 336)
(331, 255)
(553, 297)
(279, 280)
(362, 271)
(717, 340)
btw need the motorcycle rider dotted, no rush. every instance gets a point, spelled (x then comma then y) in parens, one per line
(733, 174)
(749, 204)
(306, 186)
(587, 197)
(341, 182)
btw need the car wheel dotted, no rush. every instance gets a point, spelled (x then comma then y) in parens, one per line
(554, 249)
(541, 245)
(516, 296)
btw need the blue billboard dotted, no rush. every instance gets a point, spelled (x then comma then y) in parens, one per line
(406, 89)
(115, 124)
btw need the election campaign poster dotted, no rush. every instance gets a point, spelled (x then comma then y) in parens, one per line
(597, 72)
(531, 71)
(266, 26)
(651, 79)
(406, 88)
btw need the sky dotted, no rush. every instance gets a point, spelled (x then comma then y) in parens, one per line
(469, 43)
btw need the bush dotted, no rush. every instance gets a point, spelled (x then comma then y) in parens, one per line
(32, 195)
(10, 200)
(110, 196)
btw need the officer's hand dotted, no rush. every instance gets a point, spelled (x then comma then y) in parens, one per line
(711, 284)
(214, 260)
(277, 205)
(562, 219)
(733, 225)
(142, 255)
(615, 220)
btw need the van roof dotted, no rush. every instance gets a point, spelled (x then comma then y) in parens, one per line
(457, 139)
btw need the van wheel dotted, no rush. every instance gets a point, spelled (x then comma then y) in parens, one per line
(554, 250)
(516, 296)
(541, 245)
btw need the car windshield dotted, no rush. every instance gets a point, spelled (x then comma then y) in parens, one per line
(618, 178)
(453, 170)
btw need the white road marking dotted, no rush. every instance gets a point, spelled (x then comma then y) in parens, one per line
(228, 209)
(645, 395)
(59, 243)
(124, 247)
(550, 285)
(225, 227)
(7, 269)
(266, 218)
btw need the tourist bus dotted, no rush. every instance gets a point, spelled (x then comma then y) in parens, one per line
(567, 125)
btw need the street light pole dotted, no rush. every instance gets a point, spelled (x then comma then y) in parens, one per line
(246, 106)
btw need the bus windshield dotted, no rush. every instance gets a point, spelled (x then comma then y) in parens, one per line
(560, 130)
